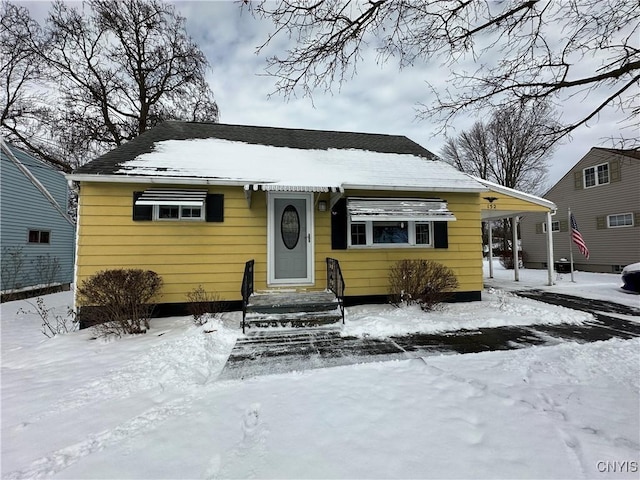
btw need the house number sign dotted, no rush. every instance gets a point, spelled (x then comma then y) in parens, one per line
(290, 227)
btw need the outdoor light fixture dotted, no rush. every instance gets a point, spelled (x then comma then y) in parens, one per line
(490, 199)
(322, 206)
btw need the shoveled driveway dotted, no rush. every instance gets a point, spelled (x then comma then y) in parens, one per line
(271, 352)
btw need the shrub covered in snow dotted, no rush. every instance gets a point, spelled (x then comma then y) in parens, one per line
(421, 282)
(123, 300)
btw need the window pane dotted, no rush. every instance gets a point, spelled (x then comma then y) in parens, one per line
(166, 211)
(358, 234)
(603, 174)
(191, 212)
(555, 226)
(422, 234)
(290, 227)
(390, 232)
(34, 236)
(589, 177)
(44, 237)
(623, 220)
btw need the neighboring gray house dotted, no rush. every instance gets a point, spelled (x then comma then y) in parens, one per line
(37, 238)
(603, 192)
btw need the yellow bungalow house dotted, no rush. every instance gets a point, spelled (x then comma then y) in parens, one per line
(195, 202)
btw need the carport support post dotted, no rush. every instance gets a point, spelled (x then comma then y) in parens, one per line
(550, 265)
(490, 224)
(514, 249)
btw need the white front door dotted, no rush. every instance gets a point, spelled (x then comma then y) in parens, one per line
(290, 242)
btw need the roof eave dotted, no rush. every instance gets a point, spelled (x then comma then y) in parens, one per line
(79, 177)
(527, 197)
(86, 177)
(415, 188)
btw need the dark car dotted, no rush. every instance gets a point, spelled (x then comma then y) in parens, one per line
(631, 278)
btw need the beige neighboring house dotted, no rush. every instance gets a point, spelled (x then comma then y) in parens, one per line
(603, 192)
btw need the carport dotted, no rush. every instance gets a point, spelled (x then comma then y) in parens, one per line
(502, 202)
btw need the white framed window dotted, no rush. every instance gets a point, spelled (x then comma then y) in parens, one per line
(178, 212)
(555, 226)
(390, 234)
(596, 175)
(620, 220)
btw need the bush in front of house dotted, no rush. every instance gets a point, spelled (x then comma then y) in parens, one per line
(202, 305)
(421, 282)
(121, 300)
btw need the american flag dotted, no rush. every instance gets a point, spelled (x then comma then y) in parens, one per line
(576, 236)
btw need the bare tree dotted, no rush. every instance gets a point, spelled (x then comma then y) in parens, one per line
(25, 116)
(511, 148)
(112, 72)
(502, 54)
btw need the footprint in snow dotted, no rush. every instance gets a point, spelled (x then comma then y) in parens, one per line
(252, 445)
(250, 420)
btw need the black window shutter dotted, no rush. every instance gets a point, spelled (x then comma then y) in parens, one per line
(440, 235)
(215, 207)
(339, 225)
(141, 212)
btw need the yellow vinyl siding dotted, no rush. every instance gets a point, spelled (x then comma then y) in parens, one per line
(511, 204)
(187, 254)
(366, 270)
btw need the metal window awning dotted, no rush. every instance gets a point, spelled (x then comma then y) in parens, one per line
(185, 198)
(398, 210)
(278, 187)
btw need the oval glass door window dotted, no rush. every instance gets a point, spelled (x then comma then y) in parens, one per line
(290, 227)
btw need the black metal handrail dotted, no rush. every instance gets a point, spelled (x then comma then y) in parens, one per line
(247, 288)
(335, 282)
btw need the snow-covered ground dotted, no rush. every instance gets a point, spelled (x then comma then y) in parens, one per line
(150, 406)
(599, 286)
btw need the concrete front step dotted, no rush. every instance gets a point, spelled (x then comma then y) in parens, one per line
(294, 319)
(291, 302)
(292, 309)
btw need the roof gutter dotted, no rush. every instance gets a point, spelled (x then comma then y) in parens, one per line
(415, 188)
(84, 177)
(241, 183)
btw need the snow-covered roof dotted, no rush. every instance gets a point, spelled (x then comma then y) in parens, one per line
(282, 168)
(280, 159)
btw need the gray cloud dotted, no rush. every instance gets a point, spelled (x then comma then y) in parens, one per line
(379, 99)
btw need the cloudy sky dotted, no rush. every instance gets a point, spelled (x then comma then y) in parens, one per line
(380, 99)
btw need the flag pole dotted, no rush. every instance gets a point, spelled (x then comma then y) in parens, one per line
(571, 247)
